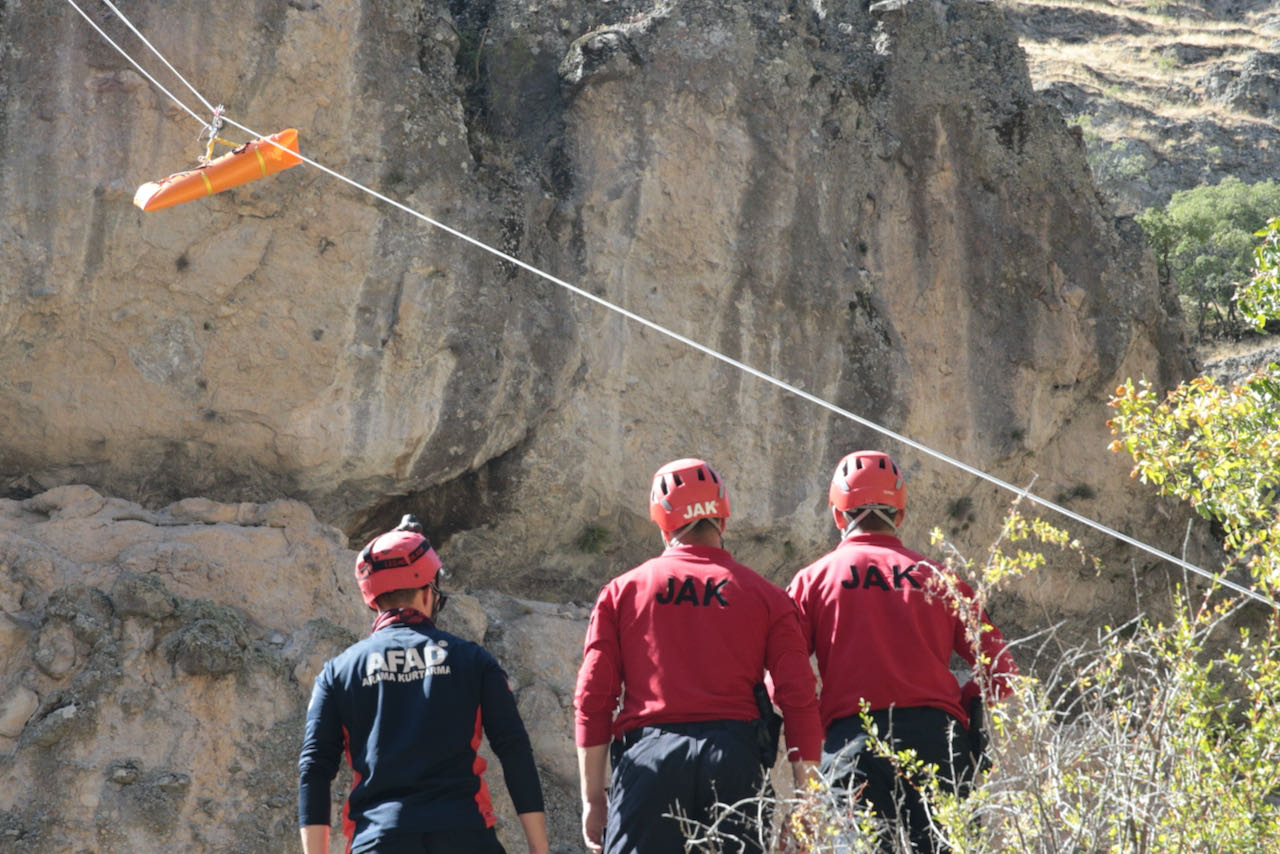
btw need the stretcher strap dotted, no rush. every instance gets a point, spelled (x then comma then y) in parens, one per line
(208, 152)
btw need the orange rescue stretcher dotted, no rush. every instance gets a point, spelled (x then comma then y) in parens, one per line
(249, 162)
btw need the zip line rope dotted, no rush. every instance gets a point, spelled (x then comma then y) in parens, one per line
(1022, 493)
(159, 55)
(135, 64)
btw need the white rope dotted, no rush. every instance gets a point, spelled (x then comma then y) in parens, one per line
(132, 62)
(745, 368)
(159, 55)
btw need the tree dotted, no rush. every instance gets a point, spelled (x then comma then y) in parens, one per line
(1204, 241)
(1260, 299)
(1218, 447)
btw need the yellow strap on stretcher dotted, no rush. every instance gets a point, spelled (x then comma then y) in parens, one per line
(208, 151)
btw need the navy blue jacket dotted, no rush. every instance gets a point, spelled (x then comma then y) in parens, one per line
(407, 705)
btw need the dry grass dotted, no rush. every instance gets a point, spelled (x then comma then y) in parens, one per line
(1137, 58)
(1174, 18)
(1212, 351)
(1137, 72)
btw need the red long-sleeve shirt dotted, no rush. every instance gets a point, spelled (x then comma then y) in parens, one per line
(883, 625)
(687, 635)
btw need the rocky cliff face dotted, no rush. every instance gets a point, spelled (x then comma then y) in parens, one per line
(156, 667)
(871, 205)
(876, 208)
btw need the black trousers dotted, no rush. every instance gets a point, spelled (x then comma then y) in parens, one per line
(435, 842)
(682, 769)
(937, 738)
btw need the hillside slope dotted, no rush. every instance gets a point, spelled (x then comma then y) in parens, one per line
(1166, 95)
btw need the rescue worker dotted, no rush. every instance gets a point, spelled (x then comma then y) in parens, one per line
(685, 639)
(407, 705)
(883, 622)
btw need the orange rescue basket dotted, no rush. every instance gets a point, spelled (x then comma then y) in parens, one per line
(249, 162)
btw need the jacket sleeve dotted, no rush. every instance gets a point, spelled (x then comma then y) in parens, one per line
(798, 591)
(991, 660)
(600, 677)
(509, 739)
(322, 746)
(794, 686)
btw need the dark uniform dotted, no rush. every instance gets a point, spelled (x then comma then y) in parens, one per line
(408, 705)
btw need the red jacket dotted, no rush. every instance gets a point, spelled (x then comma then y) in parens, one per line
(883, 625)
(688, 634)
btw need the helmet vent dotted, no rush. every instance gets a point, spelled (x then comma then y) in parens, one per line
(675, 476)
(702, 475)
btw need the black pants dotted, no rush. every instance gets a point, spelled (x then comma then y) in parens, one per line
(936, 737)
(682, 769)
(436, 842)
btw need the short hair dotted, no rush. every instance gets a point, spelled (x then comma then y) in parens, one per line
(397, 598)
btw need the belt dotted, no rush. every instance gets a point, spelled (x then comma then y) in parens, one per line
(927, 715)
(690, 728)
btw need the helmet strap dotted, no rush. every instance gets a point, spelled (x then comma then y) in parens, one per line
(853, 519)
(438, 599)
(673, 539)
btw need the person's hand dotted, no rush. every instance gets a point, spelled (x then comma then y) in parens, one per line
(535, 831)
(594, 815)
(803, 773)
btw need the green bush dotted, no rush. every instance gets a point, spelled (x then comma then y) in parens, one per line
(1260, 300)
(1204, 243)
(593, 539)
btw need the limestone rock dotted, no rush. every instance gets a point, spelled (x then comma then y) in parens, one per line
(877, 209)
(16, 708)
(150, 705)
(203, 408)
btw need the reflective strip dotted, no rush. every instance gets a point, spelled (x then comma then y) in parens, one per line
(484, 802)
(393, 562)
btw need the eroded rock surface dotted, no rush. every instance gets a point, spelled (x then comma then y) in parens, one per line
(157, 666)
(874, 206)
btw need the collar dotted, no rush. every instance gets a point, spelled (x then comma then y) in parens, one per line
(871, 539)
(686, 548)
(400, 617)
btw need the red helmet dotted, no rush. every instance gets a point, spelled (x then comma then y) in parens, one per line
(397, 560)
(684, 492)
(868, 479)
